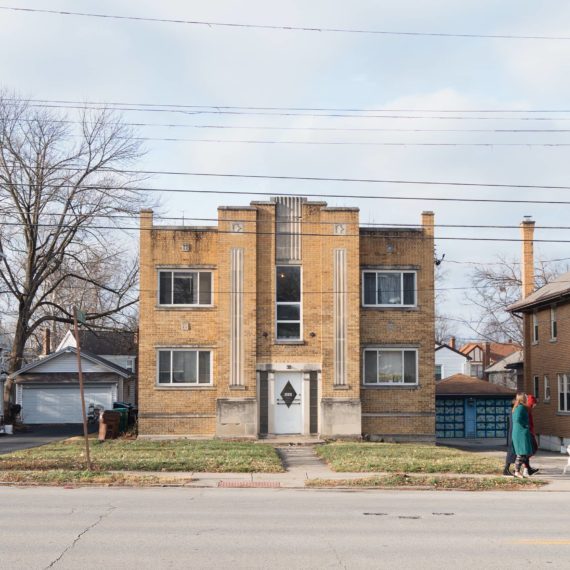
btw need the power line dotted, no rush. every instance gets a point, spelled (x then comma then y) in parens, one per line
(352, 143)
(324, 129)
(319, 29)
(282, 108)
(317, 195)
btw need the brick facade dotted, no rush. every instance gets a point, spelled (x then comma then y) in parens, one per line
(239, 328)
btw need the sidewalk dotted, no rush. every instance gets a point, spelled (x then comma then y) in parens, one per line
(302, 464)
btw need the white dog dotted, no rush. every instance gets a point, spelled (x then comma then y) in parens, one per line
(568, 465)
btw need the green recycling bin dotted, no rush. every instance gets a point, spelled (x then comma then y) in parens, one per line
(124, 421)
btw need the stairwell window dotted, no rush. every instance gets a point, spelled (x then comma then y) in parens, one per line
(388, 366)
(184, 287)
(546, 390)
(389, 289)
(184, 367)
(288, 304)
(535, 327)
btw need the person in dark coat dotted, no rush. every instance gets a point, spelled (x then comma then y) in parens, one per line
(531, 402)
(511, 455)
(522, 439)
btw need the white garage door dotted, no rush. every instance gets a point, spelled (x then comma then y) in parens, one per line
(53, 404)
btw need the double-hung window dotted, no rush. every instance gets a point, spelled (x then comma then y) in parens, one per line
(546, 389)
(387, 366)
(563, 393)
(389, 288)
(535, 327)
(185, 287)
(536, 387)
(181, 366)
(553, 324)
(438, 372)
(288, 302)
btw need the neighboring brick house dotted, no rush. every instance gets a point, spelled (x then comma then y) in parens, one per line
(287, 318)
(484, 354)
(546, 314)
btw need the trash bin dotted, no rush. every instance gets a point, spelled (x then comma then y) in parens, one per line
(109, 425)
(124, 420)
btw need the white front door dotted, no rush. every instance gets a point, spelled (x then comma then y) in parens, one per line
(288, 399)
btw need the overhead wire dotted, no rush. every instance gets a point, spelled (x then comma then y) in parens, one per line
(287, 28)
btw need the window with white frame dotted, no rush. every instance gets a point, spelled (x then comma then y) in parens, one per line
(536, 387)
(438, 372)
(546, 389)
(535, 327)
(553, 324)
(389, 289)
(390, 366)
(184, 366)
(185, 287)
(563, 393)
(288, 302)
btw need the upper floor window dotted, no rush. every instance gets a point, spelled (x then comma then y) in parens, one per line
(553, 324)
(535, 327)
(438, 372)
(563, 393)
(536, 387)
(288, 302)
(181, 366)
(183, 287)
(389, 288)
(390, 366)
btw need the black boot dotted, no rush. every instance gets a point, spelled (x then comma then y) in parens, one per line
(507, 472)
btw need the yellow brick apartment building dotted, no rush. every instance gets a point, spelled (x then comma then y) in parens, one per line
(287, 318)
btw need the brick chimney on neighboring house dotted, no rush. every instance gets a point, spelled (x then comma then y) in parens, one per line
(46, 342)
(528, 286)
(452, 342)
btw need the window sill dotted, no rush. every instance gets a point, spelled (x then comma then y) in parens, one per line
(559, 413)
(185, 307)
(205, 387)
(409, 308)
(238, 388)
(534, 343)
(292, 342)
(389, 386)
(553, 340)
(341, 387)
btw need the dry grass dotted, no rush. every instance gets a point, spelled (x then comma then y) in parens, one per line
(144, 455)
(431, 482)
(404, 458)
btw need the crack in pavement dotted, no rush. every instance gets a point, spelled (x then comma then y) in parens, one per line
(78, 537)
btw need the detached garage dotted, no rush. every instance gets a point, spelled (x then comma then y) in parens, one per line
(467, 407)
(48, 390)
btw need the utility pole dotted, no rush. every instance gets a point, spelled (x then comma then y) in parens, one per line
(80, 316)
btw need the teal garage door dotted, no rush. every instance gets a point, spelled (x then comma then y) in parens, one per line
(450, 417)
(472, 417)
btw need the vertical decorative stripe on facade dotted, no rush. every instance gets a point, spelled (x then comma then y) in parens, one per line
(288, 228)
(236, 318)
(340, 295)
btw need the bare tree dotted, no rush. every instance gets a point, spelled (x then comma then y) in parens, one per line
(62, 188)
(444, 326)
(496, 286)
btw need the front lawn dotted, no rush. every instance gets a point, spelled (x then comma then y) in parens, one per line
(145, 455)
(404, 458)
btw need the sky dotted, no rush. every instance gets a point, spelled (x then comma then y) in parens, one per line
(86, 59)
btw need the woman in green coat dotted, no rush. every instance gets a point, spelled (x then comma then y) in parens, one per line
(522, 438)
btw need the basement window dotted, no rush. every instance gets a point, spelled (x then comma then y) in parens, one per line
(184, 367)
(185, 288)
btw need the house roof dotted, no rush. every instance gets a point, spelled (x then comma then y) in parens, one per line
(556, 290)
(502, 365)
(497, 350)
(462, 385)
(84, 354)
(439, 346)
(109, 343)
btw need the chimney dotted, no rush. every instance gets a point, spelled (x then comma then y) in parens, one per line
(46, 344)
(428, 223)
(452, 342)
(527, 267)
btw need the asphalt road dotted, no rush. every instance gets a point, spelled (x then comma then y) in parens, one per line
(272, 528)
